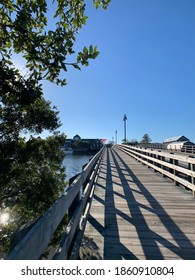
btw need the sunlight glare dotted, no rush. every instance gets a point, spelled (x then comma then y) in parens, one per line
(4, 218)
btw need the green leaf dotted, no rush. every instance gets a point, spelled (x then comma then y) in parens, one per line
(85, 50)
(96, 3)
(76, 66)
(91, 49)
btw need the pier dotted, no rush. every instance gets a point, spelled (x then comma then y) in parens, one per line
(128, 203)
(136, 213)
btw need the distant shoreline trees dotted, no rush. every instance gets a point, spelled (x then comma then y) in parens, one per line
(145, 139)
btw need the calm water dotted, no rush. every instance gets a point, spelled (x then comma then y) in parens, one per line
(74, 163)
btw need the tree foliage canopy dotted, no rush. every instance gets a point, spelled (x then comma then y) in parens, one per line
(26, 28)
(32, 175)
(145, 139)
(22, 106)
(31, 171)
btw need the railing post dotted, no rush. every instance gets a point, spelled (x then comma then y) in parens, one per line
(155, 163)
(159, 164)
(76, 199)
(191, 167)
(148, 160)
(162, 166)
(78, 196)
(171, 170)
(175, 162)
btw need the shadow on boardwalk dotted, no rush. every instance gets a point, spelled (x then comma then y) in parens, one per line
(136, 238)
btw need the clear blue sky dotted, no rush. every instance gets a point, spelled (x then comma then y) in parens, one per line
(146, 70)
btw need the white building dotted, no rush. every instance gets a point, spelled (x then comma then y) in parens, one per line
(175, 139)
(177, 143)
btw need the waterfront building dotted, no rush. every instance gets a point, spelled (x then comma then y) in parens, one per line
(83, 145)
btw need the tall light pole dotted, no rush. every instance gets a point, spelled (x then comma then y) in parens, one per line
(124, 119)
(116, 137)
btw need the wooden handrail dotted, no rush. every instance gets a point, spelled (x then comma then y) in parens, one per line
(171, 147)
(180, 168)
(37, 239)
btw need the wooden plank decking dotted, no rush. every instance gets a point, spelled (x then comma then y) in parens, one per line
(138, 214)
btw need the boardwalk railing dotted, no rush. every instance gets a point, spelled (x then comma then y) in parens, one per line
(180, 168)
(75, 201)
(171, 147)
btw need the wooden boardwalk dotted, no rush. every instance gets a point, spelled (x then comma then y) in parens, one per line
(138, 214)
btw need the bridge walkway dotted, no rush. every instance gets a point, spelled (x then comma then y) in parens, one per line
(138, 214)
